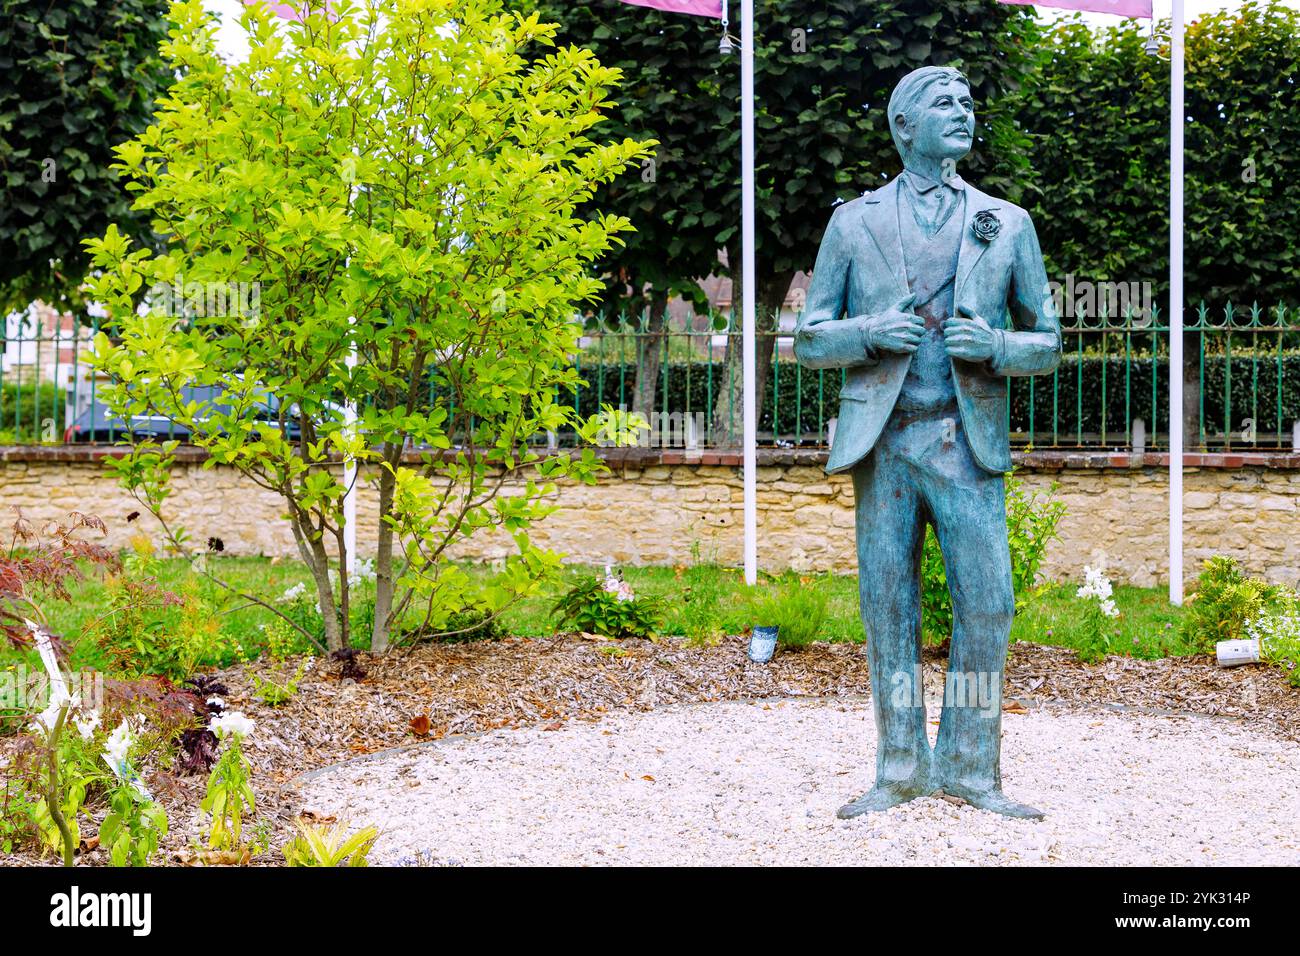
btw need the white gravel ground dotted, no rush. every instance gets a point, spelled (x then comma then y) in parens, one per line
(759, 783)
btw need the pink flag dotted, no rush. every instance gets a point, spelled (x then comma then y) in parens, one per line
(1121, 8)
(288, 11)
(699, 8)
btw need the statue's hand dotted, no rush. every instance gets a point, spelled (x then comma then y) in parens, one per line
(968, 336)
(895, 329)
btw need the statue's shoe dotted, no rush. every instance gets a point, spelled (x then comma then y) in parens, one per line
(882, 797)
(994, 801)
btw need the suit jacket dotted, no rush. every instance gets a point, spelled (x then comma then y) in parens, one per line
(860, 273)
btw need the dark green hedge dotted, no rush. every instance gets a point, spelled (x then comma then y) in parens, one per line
(24, 406)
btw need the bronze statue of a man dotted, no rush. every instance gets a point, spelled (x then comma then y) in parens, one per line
(930, 293)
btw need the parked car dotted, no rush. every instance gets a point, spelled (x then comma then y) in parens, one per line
(98, 425)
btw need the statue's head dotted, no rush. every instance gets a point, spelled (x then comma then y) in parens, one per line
(932, 115)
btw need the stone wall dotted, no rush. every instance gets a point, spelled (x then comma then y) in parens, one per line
(660, 508)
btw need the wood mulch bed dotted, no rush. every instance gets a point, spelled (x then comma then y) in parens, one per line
(430, 692)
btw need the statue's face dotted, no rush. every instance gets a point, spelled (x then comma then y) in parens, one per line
(943, 123)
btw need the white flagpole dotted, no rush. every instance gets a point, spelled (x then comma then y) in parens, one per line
(350, 483)
(1176, 122)
(747, 283)
(350, 463)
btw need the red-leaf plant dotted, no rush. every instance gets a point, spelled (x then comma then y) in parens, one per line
(40, 565)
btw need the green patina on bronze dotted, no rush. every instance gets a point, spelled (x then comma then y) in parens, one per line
(929, 294)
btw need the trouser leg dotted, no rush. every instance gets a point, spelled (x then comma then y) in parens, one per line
(890, 527)
(971, 525)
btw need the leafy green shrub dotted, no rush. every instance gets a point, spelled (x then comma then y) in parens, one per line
(1225, 602)
(798, 611)
(1032, 520)
(146, 630)
(1227, 605)
(1278, 634)
(609, 607)
(472, 625)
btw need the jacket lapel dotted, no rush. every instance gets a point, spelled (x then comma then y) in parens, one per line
(972, 247)
(881, 221)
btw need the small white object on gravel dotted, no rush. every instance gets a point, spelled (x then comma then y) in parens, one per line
(747, 783)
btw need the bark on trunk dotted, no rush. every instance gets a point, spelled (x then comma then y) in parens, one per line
(729, 410)
(317, 560)
(649, 358)
(1192, 392)
(382, 629)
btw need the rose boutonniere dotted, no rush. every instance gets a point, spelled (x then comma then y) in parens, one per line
(985, 225)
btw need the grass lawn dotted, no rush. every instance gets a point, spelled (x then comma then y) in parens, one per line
(1147, 627)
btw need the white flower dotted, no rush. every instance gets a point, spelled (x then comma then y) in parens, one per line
(118, 747)
(234, 722)
(293, 593)
(616, 586)
(1096, 584)
(117, 751)
(87, 725)
(364, 571)
(1109, 609)
(44, 721)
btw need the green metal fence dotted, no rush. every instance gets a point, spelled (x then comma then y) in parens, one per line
(1241, 382)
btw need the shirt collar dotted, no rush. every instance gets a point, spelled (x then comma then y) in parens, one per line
(923, 184)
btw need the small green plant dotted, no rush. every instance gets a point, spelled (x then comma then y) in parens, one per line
(55, 814)
(320, 845)
(284, 639)
(1032, 521)
(275, 692)
(799, 611)
(229, 795)
(609, 607)
(135, 823)
(66, 775)
(696, 614)
(260, 841)
(1096, 633)
(133, 827)
(17, 813)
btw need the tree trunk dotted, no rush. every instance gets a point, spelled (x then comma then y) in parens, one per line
(651, 340)
(729, 409)
(317, 560)
(379, 635)
(1192, 393)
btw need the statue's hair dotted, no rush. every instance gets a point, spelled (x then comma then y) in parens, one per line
(911, 88)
